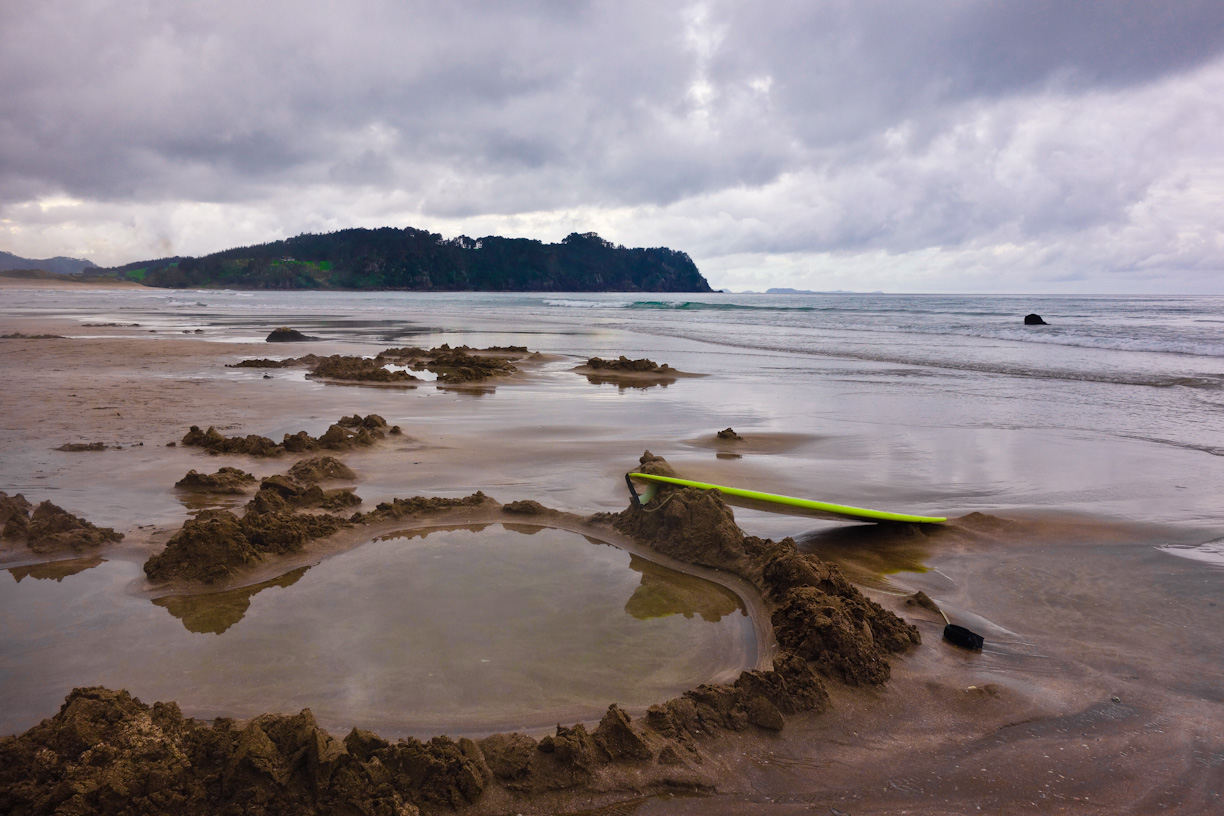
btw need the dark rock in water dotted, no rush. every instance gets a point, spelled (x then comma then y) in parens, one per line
(962, 637)
(730, 434)
(1034, 320)
(287, 335)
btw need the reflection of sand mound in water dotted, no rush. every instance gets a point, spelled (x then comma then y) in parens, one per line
(216, 612)
(665, 592)
(868, 552)
(55, 570)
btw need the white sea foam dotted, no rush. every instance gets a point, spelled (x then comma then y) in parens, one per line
(588, 304)
(1211, 552)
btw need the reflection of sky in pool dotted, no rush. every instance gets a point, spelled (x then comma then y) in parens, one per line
(482, 628)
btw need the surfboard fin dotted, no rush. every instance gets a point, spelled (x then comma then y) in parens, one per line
(647, 494)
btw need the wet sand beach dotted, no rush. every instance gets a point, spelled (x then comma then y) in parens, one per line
(1098, 690)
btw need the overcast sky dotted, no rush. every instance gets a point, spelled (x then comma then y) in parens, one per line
(951, 145)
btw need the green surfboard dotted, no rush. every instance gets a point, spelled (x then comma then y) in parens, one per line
(840, 511)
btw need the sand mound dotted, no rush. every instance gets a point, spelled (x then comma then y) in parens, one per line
(79, 447)
(458, 366)
(423, 505)
(11, 506)
(107, 752)
(49, 529)
(264, 362)
(623, 363)
(347, 433)
(218, 545)
(214, 441)
(358, 369)
(226, 480)
(451, 365)
(320, 469)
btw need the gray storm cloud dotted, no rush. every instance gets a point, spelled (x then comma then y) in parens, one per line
(916, 144)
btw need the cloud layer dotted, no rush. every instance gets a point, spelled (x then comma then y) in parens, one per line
(944, 146)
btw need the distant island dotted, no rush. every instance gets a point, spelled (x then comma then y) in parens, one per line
(417, 260)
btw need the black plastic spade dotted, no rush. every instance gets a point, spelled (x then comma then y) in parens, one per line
(962, 637)
(956, 635)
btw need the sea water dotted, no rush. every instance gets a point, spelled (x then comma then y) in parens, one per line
(1116, 406)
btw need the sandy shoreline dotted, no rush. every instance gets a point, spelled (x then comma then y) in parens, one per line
(1045, 726)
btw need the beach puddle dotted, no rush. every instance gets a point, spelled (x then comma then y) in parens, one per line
(462, 630)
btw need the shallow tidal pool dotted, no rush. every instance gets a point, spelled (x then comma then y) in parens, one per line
(458, 629)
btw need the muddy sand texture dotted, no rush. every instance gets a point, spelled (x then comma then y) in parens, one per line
(106, 752)
(48, 528)
(345, 434)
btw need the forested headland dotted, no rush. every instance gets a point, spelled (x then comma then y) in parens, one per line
(418, 260)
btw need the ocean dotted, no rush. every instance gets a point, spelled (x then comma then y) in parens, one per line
(1116, 406)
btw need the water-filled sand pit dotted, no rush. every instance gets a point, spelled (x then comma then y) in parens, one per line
(461, 629)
